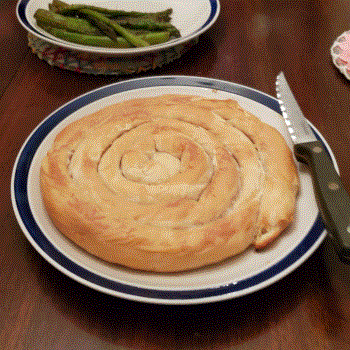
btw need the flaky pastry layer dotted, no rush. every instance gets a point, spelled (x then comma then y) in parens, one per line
(169, 183)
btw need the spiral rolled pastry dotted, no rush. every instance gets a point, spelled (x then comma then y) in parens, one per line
(169, 183)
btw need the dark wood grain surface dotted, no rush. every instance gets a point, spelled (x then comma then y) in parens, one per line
(40, 308)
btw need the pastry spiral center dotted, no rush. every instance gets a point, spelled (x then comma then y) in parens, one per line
(151, 167)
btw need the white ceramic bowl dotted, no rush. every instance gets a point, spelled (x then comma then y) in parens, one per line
(192, 18)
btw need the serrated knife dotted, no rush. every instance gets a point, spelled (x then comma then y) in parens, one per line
(332, 199)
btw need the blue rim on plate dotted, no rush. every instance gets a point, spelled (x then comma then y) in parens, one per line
(21, 12)
(22, 208)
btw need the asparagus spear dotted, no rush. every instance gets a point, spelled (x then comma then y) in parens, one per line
(59, 5)
(104, 41)
(113, 23)
(112, 28)
(64, 8)
(51, 19)
(147, 24)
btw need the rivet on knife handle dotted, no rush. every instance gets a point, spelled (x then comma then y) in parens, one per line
(333, 200)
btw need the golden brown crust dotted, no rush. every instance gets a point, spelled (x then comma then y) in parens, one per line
(169, 183)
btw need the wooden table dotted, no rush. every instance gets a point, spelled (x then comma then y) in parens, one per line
(41, 308)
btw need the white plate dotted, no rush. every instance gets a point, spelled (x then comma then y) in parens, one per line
(192, 18)
(235, 277)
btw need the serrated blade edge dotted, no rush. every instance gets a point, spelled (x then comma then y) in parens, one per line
(297, 124)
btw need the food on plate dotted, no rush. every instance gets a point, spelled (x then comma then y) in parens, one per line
(169, 183)
(98, 26)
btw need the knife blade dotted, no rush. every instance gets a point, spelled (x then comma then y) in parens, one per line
(332, 198)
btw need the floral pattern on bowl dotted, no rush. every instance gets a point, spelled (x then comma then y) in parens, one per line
(340, 52)
(92, 63)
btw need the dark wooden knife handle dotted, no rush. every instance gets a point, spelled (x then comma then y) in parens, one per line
(332, 198)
